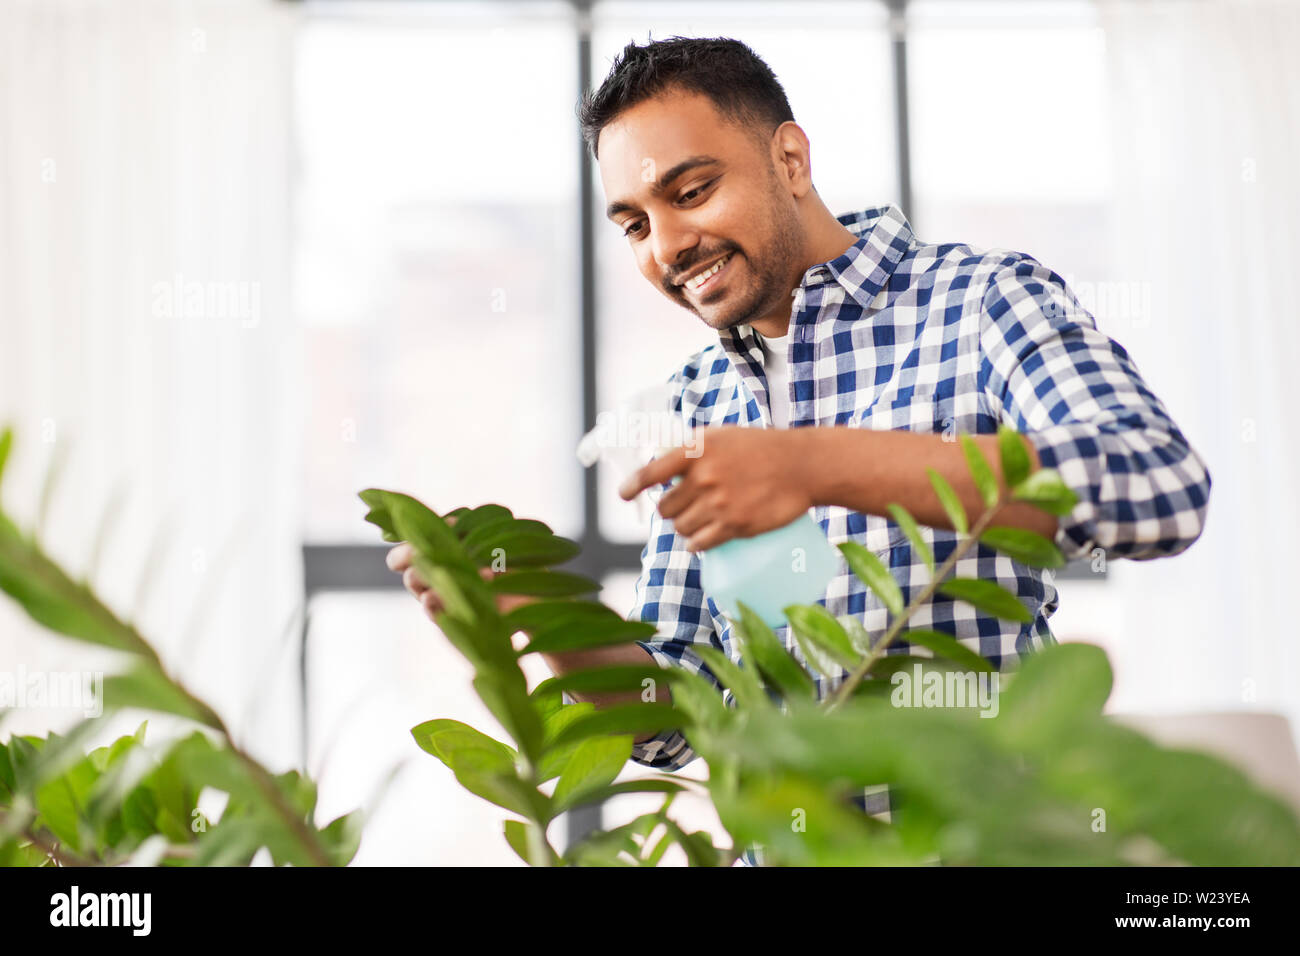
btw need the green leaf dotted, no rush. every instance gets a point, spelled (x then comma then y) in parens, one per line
(490, 534)
(743, 681)
(873, 573)
(1045, 490)
(988, 596)
(453, 517)
(774, 662)
(985, 480)
(231, 842)
(903, 518)
(593, 632)
(858, 635)
(379, 515)
(562, 718)
(565, 625)
(556, 757)
(698, 845)
(54, 600)
(656, 853)
(428, 534)
(342, 837)
(628, 677)
(948, 498)
(547, 699)
(547, 614)
(6, 443)
(516, 832)
(505, 693)
(1050, 692)
(467, 522)
(446, 738)
(593, 765)
(518, 835)
(526, 550)
(486, 644)
(477, 773)
(299, 792)
(604, 847)
(145, 686)
(822, 638)
(621, 719)
(543, 583)
(1015, 459)
(652, 785)
(1027, 547)
(60, 801)
(885, 667)
(195, 762)
(697, 699)
(945, 645)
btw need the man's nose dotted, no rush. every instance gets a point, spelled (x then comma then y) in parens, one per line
(672, 245)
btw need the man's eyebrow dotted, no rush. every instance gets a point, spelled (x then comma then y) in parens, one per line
(685, 166)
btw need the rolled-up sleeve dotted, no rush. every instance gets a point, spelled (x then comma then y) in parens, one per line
(1079, 399)
(669, 595)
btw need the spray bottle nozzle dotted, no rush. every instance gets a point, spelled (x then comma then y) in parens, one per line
(637, 430)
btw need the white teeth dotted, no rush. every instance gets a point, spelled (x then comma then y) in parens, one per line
(695, 282)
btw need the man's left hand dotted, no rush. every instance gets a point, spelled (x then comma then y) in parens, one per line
(737, 482)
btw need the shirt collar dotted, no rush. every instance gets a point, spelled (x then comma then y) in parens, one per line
(863, 269)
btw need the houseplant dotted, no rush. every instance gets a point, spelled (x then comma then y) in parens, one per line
(1048, 780)
(137, 800)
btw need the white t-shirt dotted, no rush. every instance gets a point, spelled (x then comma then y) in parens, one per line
(776, 365)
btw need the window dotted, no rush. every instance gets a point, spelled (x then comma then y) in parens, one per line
(437, 255)
(1029, 169)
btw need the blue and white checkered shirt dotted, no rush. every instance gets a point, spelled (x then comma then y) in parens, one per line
(901, 334)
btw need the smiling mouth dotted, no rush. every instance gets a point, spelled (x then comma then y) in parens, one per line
(704, 281)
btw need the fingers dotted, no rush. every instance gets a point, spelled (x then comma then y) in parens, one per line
(399, 558)
(429, 601)
(412, 581)
(673, 462)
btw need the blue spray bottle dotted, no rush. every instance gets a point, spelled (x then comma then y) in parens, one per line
(768, 572)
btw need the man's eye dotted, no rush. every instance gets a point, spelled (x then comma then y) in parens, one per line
(628, 231)
(686, 197)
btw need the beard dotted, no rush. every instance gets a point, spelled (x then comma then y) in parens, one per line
(771, 270)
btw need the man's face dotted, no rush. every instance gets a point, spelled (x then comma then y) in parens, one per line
(690, 190)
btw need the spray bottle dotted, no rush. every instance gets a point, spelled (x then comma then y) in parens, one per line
(769, 571)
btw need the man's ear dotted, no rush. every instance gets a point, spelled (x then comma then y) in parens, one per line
(790, 158)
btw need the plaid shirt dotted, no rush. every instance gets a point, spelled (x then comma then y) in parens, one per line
(900, 334)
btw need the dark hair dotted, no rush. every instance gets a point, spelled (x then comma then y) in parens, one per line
(742, 87)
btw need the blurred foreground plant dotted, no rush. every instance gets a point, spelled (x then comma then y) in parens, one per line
(1048, 780)
(131, 801)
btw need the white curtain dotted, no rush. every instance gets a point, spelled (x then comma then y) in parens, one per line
(1205, 98)
(145, 332)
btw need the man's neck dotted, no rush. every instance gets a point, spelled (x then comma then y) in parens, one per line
(828, 239)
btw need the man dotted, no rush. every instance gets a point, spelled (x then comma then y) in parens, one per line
(850, 354)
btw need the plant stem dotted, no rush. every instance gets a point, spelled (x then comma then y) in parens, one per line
(845, 690)
(306, 836)
(54, 850)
